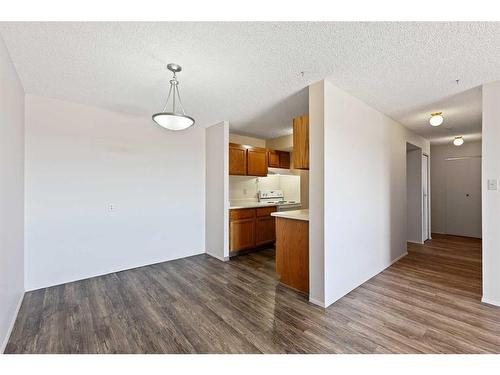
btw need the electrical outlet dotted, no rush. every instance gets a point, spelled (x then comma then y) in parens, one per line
(245, 192)
(111, 207)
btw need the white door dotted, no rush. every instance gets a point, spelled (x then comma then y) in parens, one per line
(463, 197)
(425, 198)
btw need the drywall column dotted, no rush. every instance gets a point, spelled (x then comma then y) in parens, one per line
(11, 194)
(362, 185)
(316, 194)
(217, 191)
(414, 195)
(490, 193)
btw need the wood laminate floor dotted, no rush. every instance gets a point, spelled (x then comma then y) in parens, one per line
(428, 302)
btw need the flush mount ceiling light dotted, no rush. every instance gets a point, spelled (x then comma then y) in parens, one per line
(458, 141)
(436, 118)
(173, 120)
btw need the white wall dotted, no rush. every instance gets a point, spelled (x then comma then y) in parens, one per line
(81, 159)
(217, 191)
(438, 176)
(245, 188)
(11, 194)
(362, 161)
(245, 140)
(414, 195)
(491, 198)
(316, 193)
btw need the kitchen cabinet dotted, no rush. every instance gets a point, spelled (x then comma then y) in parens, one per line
(250, 228)
(274, 158)
(301, 142)
(237, 159)
(247, 161)
(284, 159)
(256, 161)
(242, 234)
(292, 253)
(265, 230)
(278, 159)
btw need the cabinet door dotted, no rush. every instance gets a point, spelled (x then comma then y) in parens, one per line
(241, 234)
(256, 162)
(284, 159)
(301, 142)
(274, 158)
(237, 159)
(265, 231)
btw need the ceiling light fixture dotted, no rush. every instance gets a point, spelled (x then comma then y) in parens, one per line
(458, 141)
(436, 118)
(173, 120)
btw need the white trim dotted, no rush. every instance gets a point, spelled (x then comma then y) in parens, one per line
(317, 302)
(32, 288)
(395, 260)
(11, 325)
(415, 242)
(490, 301)
(223, 259)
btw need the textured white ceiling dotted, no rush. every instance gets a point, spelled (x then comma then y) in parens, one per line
(249, 73)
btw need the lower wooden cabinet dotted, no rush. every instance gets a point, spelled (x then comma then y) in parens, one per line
(242, 234)
(250, 228)
(265, 230)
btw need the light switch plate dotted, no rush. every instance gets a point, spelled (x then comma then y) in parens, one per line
(493, 184)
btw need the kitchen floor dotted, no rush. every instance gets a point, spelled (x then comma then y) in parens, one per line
(428, 302)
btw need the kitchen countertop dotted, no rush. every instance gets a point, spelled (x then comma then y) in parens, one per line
(235, 206)
(294, 215)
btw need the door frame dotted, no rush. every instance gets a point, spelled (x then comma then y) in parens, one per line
(429, 234)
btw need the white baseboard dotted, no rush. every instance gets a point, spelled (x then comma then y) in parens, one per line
(490, 301)
(398, 258)
(223, 259)
(11, 325)
(415, 242)
(316, 302)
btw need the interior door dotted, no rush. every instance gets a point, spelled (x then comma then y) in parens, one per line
(463, 196)
(425, 198)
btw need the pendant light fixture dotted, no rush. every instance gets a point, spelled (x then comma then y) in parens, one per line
(458, 141)
(173, 120)
(436, 118)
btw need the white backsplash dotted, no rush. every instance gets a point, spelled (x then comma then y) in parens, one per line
(245, 188)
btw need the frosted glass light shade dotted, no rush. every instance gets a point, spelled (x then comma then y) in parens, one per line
(458, 141)
(436, 120)
(173, 121)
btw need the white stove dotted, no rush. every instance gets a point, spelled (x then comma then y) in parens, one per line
(277, 197)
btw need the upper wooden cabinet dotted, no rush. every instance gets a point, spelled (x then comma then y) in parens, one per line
(284, 159)
(247, 161)
(301, 142)
(237, 159)
(254, 161)
(274, 158)
(278, 159)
